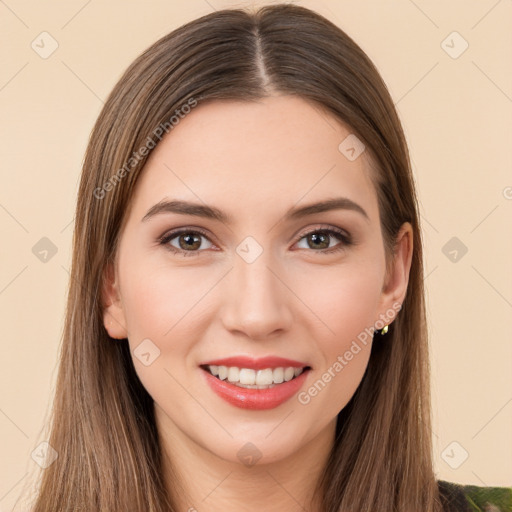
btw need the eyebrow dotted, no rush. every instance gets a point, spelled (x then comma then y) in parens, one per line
(210, 212)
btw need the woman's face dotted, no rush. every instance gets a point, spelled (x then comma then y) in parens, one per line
(253, 271)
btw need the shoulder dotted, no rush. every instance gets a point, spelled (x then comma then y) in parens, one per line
(473, 498)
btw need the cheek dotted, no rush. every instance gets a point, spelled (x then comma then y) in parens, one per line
(159, 307)
(160, 301)
(344, 299)
(164, 305)
(346, 303)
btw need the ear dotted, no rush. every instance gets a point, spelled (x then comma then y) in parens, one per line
(397, 278)
(113, 314)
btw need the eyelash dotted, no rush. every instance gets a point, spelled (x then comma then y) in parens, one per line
(341, 235)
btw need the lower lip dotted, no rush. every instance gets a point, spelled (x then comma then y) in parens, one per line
(255, 399)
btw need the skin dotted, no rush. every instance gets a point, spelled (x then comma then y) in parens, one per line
(254, 161)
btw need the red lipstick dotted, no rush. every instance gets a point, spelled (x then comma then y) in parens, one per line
(255, 399)
(255, 363)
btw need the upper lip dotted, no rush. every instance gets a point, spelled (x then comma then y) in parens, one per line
(255, 363)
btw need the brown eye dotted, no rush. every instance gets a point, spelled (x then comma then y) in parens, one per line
(320, 240)
(189, 241)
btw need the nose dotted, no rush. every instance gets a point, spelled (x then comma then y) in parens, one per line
(257, 301)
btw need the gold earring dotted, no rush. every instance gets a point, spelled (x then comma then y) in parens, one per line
(384, 330)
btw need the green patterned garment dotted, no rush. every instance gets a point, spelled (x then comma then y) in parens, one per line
(473, 498)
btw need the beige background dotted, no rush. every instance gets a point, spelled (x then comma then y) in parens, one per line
(457, 116)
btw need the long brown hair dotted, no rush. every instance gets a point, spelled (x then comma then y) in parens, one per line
(103, 424)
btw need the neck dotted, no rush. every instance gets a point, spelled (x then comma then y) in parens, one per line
(200, 480)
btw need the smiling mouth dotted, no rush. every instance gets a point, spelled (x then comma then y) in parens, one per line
(255, 379)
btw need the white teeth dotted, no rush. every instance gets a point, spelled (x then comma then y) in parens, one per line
(264, 377)
(289, 373)
(278, 375)
(233, 374)
(252, 387)
(249, 378)
(223, 372)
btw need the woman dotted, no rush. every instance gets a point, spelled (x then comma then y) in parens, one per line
(246, 324)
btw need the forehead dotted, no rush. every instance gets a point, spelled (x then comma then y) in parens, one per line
(272, 153)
